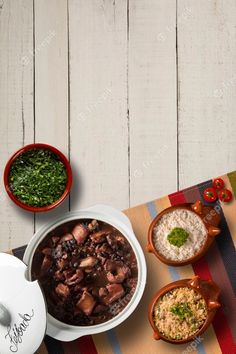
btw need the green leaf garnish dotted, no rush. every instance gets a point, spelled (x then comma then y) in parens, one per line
(37, 177)
(177, 237)
(182, 310)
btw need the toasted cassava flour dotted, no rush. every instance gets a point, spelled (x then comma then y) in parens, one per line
(188, 221)
(180, 313)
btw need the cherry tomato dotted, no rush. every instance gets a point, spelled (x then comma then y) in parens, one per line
(210, 195)
(225, 195)
(218, 183)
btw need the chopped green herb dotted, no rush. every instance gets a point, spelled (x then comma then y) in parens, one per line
(37, 177)
(177, 236)
(182, 310)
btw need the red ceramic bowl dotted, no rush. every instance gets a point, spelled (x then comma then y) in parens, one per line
(61, 157)
(211, 220)
(206, 288)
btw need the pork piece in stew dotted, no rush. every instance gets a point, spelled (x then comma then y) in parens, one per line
(88, 272)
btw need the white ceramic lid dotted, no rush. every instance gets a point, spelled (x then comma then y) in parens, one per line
(22, 309)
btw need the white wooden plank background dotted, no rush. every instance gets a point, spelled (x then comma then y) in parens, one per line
(98, 102)
(207, 95)
(51, 81)
(140, 94)
(152, 99)
(16, 107)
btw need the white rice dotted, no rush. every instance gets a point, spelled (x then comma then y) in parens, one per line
(187, 220)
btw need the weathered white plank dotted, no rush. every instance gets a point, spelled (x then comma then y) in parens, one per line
(207, 105)
(123, 91)
(16, 106)
(152, 99)
(51, 80)
(98, 102)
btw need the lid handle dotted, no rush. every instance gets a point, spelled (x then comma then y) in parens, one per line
(5, 317)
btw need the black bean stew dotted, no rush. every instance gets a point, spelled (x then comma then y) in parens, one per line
(88, 272)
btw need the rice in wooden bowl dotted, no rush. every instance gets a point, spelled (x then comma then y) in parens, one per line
(181, 234)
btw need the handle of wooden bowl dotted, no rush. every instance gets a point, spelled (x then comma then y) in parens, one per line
(149, 247)
(194, 282)
(156, 336)
(213, 231)
(209, 288)
(213, 305)
(197, 207)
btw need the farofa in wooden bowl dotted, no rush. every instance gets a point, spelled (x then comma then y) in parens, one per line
(180, 313)
(183, 310)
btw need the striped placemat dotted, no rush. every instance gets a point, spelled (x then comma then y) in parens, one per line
(134, 336)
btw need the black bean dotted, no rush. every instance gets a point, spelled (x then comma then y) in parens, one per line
(104, 254)
(89, 278)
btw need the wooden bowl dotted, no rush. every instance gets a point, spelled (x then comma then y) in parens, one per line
(61, 157)
(207, 289)
(211, 220)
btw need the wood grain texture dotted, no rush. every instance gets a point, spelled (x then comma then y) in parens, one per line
(207, 95)
(108, 89)
(98, 102)
(152, 99)
(16, 105)
(51, 81)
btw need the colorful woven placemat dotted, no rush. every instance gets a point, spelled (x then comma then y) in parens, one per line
(134, 336)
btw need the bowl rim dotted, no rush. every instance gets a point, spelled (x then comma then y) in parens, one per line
(139, 254)
(178, 284)
(62, 157)
(152, 249)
